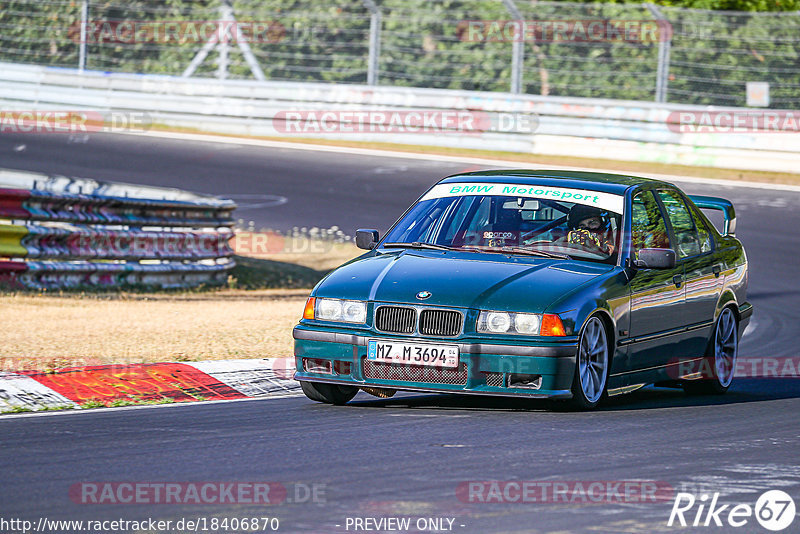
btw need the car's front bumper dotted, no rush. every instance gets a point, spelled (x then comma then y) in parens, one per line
(484, 368)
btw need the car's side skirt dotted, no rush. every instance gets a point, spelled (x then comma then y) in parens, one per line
(665, 333)
(657, 367)
(624, 389)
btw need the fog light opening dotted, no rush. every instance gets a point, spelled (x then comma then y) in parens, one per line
(341, 368)
(522, 381)
(314, 365)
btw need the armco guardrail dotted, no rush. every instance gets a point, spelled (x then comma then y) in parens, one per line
(109, 235)
(626, 130)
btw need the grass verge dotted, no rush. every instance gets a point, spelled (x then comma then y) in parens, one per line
(51, 331)
(290, 270)
(253, 318)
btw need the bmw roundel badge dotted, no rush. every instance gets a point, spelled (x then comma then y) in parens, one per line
(422, 295)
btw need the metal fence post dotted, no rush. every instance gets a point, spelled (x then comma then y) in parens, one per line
(222, 45)
(241, 41)
(664, 44)
(82, 46)
(200, 56)
(517, 49)
(222, 50)
(374, 41)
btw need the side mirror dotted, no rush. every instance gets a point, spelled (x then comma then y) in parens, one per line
(367, 239)
(656, 258)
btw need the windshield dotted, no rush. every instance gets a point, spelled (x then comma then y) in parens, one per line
(509, 218)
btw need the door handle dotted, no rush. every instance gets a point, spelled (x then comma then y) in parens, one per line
(716, 270)
(677, 280)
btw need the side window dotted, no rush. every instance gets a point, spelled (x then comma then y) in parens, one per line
(702, 231)
(686, 237)
(647, 224)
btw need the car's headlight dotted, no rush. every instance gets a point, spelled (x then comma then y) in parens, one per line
(354, 311)
(497, 322)
(527, 323)
(346, 311)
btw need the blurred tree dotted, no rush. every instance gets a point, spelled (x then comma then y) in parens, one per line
(426, 43)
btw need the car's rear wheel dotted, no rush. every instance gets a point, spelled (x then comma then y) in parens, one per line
(591, 366)
(723, 349)
(328, 393)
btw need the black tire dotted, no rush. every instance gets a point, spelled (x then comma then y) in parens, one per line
(581, 401)
(714, 385)
(328, 393)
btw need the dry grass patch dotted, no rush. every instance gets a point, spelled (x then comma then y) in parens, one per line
(52, 330)
(321, 255)
(46, 331)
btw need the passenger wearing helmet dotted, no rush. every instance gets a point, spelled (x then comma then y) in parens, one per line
(590, 228)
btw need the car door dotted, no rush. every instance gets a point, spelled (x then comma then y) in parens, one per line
(703, 283)
(657, 295)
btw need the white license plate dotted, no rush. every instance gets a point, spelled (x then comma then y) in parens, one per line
(412, 353)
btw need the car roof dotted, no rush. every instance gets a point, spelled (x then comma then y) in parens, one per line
(594, 181)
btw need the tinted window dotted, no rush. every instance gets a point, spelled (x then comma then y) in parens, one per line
(686, 236)
(647, 224)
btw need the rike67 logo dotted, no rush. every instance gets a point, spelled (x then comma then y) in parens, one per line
(774, 510)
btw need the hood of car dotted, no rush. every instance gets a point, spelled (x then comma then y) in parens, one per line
(459, 279)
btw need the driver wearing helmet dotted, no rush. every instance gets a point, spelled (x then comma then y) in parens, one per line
(590, 227)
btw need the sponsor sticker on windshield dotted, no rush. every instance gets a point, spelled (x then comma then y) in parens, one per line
(598, 199)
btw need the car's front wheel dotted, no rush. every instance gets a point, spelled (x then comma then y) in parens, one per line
(328, 393)
(723, 349)
(591, 366)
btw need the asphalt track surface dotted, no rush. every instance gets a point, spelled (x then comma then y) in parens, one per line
(407, 455)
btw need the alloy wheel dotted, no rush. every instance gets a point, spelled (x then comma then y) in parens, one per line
(593, 359)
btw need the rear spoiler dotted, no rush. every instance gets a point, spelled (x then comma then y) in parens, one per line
(716, 203)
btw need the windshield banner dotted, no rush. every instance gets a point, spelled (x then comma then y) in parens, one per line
(605, 201)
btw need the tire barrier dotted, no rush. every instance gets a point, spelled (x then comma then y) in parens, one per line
(82, 242)
(73, 274)
(101, 209)
(114, 236)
